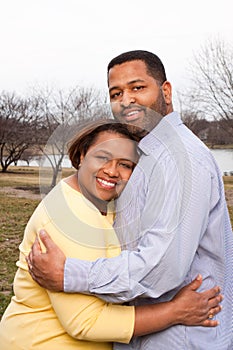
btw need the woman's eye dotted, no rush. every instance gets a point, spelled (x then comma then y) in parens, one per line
(104, 158)
(126, 165)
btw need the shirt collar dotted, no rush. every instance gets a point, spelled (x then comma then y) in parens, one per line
(161, 133)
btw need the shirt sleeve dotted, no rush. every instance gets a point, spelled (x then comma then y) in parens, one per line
(173, 221)
(88, 318)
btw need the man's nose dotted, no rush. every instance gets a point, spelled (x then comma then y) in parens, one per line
(127, 99)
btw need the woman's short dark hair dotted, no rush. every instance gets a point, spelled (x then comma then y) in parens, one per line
(154, 65)
(88, 133)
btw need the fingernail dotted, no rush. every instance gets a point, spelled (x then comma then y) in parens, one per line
(198, 277)
(42, 232)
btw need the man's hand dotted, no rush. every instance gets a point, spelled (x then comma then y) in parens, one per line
(47, 269)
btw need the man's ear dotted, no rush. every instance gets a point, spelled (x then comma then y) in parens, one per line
(167, 92)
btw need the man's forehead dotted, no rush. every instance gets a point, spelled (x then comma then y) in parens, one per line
(130, 71)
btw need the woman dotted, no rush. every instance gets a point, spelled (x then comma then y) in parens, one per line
(78, 214)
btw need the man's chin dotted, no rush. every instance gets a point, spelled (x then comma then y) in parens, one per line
(137, 130)
(135, 125)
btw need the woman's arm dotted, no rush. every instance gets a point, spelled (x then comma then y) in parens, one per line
(89, 318)
(188, 307)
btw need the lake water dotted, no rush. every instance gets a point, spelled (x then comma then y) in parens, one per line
(224, 158)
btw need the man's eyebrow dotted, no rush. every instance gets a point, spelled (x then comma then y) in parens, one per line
(129, 83)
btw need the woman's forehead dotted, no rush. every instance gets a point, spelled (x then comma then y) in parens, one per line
(114, 144)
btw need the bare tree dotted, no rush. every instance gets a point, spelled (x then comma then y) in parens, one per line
(62, 112)
(18, 122)
(210, 94)
(29, 154)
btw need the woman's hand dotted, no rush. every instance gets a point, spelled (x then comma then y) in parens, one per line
(197, 309)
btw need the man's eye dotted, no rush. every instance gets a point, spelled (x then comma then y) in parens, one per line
(115, 95)
(139, 87)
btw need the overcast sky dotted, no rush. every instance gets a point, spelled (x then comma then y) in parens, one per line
(64, 43)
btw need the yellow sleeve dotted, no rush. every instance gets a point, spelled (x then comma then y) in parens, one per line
(86, 317)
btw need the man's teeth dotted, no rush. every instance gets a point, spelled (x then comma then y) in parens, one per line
(106, 183)
(132, 113)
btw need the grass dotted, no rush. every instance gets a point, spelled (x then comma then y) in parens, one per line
(230, 146)
(14, 214)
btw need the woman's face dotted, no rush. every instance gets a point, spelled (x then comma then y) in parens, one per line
(106, 167)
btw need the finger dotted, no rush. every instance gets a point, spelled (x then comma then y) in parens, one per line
(33, 276)
(213, 302)
(196, 283)
(36, 248)
(214, 311)
(30, 271)
(210, 323)
(211, 293)
(46, 240)
(29, 259)
(28, 262)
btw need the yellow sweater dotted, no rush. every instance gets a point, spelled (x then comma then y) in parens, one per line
(39, 319)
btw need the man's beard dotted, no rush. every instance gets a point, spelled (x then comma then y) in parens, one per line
(154, 113)
(152, 116)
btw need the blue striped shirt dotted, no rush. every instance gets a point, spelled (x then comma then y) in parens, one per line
(173, 223)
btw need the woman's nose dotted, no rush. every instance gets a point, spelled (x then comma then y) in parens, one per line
(111, 168)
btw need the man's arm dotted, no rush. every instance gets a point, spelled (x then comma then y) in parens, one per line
(159, 265)
(188, 307)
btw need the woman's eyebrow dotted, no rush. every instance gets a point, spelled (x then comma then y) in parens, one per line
(111, 155)
(103, 151)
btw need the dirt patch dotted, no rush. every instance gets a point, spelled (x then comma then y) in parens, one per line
(229, 196)
(21, 193)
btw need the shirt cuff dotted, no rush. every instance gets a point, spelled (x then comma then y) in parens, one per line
(76, 274)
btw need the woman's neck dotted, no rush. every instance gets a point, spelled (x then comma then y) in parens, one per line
(72, 181)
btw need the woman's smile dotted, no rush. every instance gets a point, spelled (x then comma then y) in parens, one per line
(106, 184)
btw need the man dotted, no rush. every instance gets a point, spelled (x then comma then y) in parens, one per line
(172, 216)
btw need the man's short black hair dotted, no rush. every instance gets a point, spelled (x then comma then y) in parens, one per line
(155, 67)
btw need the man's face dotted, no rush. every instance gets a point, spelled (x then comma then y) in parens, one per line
(136, 97)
